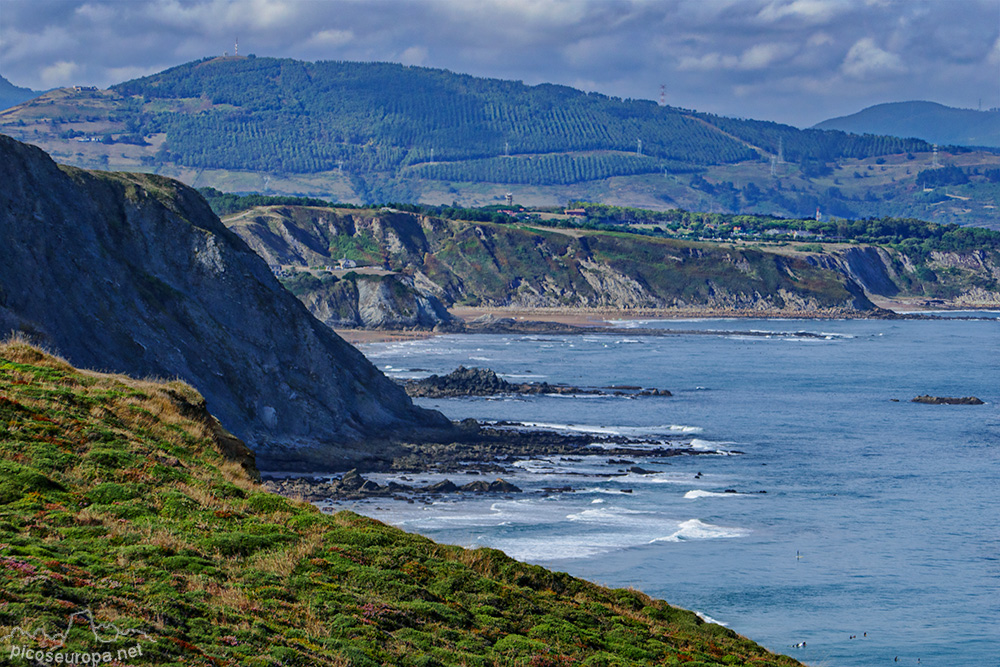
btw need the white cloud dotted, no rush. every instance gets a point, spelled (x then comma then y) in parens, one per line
(993, 57)
(708, 62)
(866, 60)
(760, 56)
(115, 75)
(757, 57)
(60, 74)
(331, 38)
(415, 55)
(810, 11)
(820, 39)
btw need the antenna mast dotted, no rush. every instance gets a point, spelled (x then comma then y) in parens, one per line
(237, 51)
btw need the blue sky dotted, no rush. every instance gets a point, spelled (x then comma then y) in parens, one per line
(793, 61)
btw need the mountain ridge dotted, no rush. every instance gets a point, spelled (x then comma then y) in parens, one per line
(380, 132)
(134, 273)
(929, 121)
(11, 95)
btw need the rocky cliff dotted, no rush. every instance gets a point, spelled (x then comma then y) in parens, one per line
(488, 264)
(371, 301)
(134, 273)
(959, 279)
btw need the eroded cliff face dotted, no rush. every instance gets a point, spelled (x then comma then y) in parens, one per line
(510, 266)
(371, 301)
(133, 273)
(960, 279)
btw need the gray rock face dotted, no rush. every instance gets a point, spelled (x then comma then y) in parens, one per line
(373, 302)
(133, 273)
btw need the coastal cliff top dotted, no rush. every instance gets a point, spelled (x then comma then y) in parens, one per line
(122, 504)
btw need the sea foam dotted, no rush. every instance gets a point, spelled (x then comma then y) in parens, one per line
(694, 529)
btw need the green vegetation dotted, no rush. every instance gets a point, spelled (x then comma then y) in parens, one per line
(287, 116)
(227, 203)
(546, 169)
(909, 234)
(115, 499)
(371, 133)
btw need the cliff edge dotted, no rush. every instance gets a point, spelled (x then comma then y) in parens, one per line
(133, 273)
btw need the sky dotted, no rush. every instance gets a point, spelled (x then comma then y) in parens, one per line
(791, 61)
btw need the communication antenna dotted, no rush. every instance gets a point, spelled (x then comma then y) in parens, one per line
(935, 163)
(781, 150)
(237, 51)
(506, 149)
(774, 166)
(663, 95)
(432, 155)
(638, 146)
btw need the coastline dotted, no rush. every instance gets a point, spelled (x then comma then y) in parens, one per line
(506, 319)
(604, 317)
(573, 319)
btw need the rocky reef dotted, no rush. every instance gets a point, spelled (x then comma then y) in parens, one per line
(484, 382)
(947, 400)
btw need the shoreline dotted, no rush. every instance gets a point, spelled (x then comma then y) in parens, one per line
(577, 320)
(491, 452)
(604, 317)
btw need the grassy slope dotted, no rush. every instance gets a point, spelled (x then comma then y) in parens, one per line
(112, 500)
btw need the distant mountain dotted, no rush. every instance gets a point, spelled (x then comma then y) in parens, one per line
(377, 123)
(134, 273)
(11, 95)
(373, 133)
(929, 121)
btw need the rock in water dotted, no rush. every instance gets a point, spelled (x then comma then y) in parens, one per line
(461, 382)
(134, 273)
(947, 400)
(502, 486)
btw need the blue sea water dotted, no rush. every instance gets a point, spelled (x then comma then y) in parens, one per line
(881, 519)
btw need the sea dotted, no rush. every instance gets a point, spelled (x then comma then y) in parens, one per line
(821, 513)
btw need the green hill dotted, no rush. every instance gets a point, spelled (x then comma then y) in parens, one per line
(290, 116)
(929, 121)
(123, 504)
(380, 132)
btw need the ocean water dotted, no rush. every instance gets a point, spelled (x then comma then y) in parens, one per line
(880, 519)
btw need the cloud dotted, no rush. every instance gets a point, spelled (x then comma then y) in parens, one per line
(60, 74)
(808, 11)
(415, 55)
(331, 37)
(758, 56)
(866, 60)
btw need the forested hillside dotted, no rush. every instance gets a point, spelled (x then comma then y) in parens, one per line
(287, 115)
(371, 133)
